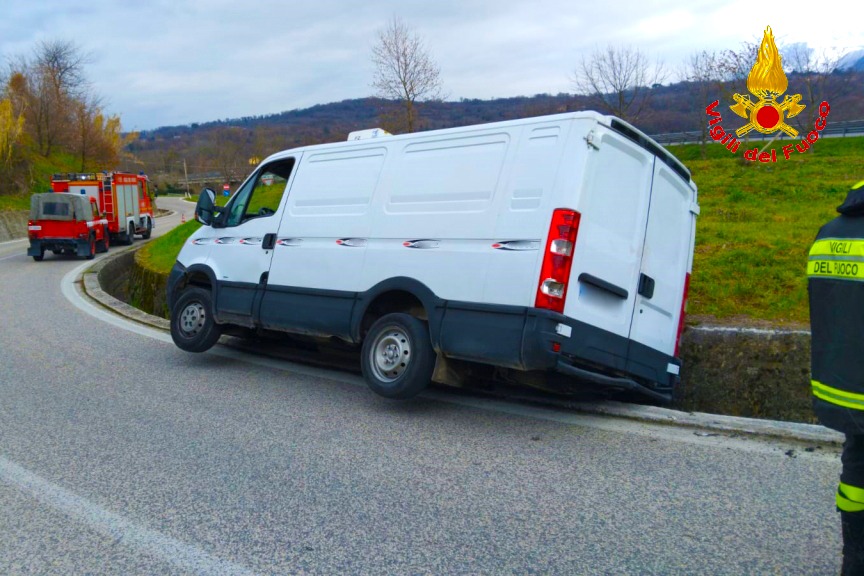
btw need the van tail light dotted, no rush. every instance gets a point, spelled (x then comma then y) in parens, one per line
(683, 314)
(557, 260)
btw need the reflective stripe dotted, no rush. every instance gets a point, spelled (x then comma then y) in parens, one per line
(852, 492)
(837, 247)
(847, 504)
(838, 397)
(836, 269)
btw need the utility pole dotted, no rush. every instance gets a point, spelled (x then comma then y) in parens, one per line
(186, 174)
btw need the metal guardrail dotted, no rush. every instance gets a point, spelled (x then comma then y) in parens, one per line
(835, 130)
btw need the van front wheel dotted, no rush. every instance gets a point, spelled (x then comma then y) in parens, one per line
(192, 326)
(397, 358)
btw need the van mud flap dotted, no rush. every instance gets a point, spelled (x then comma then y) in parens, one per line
(616, 383)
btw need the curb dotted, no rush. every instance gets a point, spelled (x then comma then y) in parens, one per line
(728, 425)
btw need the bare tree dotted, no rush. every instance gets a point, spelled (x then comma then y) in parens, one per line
(230, 152)
(47, 87)
(404, 70)
(619, 80)
(813, 73)
(703, 72)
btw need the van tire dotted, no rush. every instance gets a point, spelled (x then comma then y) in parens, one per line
(193, 328)
(397, 358)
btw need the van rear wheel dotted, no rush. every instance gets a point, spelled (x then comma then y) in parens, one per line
(397, 358)
(192, 325)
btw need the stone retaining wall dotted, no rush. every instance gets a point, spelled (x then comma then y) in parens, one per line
(746, 372)
(13, 224)
(147, 289)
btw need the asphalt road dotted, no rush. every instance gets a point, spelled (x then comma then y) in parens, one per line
(121, 454)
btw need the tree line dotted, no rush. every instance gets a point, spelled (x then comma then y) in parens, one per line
(51, 120)
(49, 115)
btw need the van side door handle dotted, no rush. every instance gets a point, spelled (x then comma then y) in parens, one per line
(269, 241)
(646, 286)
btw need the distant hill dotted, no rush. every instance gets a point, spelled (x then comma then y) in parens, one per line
(227, 145)
(853, 61)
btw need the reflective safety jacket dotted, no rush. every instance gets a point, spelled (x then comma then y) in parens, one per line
(835, 271)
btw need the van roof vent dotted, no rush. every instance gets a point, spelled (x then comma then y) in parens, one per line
(367, 134)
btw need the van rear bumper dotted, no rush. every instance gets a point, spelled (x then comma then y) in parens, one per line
(526, 338)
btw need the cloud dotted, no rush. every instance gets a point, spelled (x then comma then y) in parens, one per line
(182, 61)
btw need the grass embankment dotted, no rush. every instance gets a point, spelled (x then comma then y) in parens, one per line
(757, 223)
(40, 172)
(752, 237)
(160, 254)
(16, 202)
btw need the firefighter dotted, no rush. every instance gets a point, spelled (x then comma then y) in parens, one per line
(835, 271)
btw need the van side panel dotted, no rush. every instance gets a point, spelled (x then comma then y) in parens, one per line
(614, 201)
(528, 197)
(434, 213)
(322, 237)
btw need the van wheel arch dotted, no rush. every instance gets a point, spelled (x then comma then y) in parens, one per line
(195, 277)
(397, 295)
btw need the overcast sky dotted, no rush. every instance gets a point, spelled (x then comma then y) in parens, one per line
(165, 62)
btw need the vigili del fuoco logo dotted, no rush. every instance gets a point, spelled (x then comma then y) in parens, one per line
(767, 114)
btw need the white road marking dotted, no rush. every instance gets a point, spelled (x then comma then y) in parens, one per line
(13, 241)
(12, 256)
(112, 525)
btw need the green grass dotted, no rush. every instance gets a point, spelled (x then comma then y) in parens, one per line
(752, 237)
(16, 202)
(160, 254)
(757, 224)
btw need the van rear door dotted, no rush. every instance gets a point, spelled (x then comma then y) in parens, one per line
(613, 204)
(666, 259)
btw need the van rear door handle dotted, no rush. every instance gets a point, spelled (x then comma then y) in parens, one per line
(269, 241)
(646, 286)
(603, 285)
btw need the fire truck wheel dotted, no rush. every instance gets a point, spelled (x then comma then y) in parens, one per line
(57, 252)
(40, 256)
(149, 230)
(92, 247)
(130, 233)
(192, 326)
(397, 358)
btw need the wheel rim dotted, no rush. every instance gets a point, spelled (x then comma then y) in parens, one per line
(192, 319)
(390, 354)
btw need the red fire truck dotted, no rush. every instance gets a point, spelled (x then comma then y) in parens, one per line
(124, 199)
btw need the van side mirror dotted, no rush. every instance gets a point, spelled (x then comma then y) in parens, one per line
(206, 206)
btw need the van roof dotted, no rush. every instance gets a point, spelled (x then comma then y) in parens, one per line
(616, 124)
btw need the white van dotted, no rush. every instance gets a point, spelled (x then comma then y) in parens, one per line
(559, 243)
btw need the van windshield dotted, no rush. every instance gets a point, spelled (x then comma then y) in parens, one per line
(260, 196)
